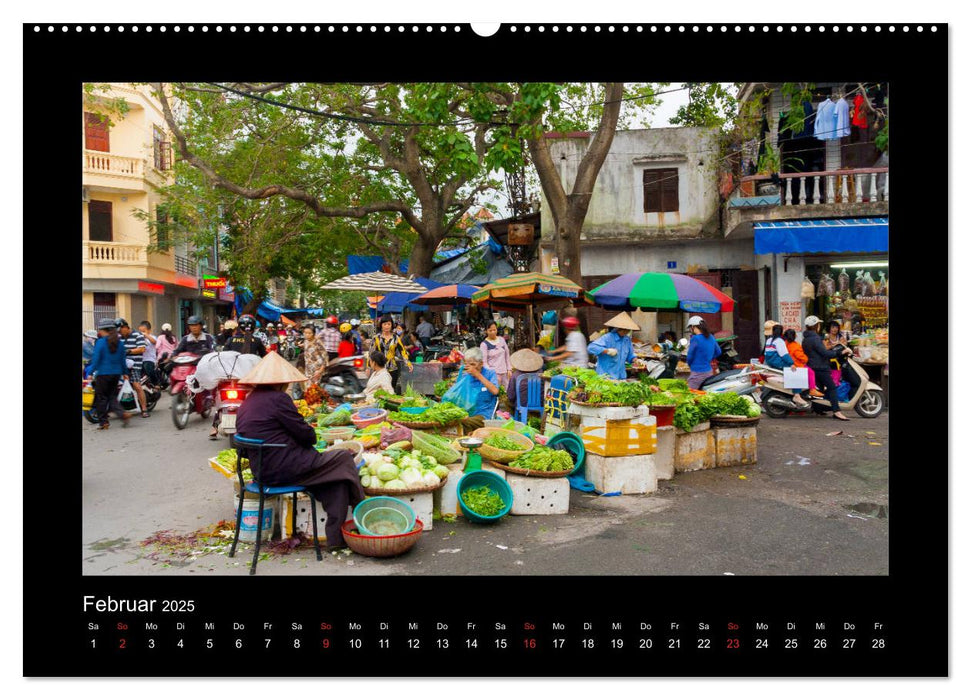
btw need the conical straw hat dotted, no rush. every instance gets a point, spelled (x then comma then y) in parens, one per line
(273, 369)
(622, 320)
(526, 360)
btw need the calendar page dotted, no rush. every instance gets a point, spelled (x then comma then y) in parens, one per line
(423, 351)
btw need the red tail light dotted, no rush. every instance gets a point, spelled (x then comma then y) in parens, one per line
(358, 363)
(232, 395)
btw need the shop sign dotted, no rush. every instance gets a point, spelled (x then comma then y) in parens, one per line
(556, 291)
(213, 282)
(151, 288)
(555, 266)
(790, 314)
(209, 293)
(672, 264)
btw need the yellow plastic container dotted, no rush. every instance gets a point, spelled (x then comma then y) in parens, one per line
(620, 438)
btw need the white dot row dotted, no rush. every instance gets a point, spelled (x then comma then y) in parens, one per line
(751, 28)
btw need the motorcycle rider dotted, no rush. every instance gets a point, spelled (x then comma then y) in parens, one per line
(819, 358)
(229, 328)
(243, 339)
(331, 337)
(135, 346)
(196, 341)
(356, 336)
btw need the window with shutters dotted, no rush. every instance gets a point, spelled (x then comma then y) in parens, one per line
(161, 149)
(661, 190)
(96, 132)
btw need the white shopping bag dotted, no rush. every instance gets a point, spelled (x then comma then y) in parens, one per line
(795, 378)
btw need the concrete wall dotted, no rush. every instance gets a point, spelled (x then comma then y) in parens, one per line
(690, 256)
(617, 207)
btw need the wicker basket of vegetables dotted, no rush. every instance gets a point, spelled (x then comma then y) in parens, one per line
(544, 462)
(502, 446)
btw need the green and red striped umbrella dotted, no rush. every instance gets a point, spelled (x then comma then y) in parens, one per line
(660, 291)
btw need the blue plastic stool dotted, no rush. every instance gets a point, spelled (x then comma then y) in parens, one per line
(247, 447)
(534, 398)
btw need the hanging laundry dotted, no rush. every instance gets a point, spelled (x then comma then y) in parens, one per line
(842, 118)
(809, 120)
(859, 111)
(825, 128)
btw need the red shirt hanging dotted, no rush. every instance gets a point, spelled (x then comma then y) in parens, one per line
(859, 112)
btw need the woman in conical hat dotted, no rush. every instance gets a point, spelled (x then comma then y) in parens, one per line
(269, 414)
(614, 350)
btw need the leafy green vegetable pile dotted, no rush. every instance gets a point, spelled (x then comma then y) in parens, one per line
(594, 388)
(728, 404)
(443, 414)
(501, 442)
(435, 446)
(687, 415)
(342, 417)
(483, 500)
(441, 387)
(672, 384)
(544, 459)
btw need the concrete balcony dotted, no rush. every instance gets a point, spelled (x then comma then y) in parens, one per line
(114, 259)
(111, 172)
(860, 193)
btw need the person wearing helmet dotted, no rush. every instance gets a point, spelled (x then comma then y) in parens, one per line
(614, 350)
(243, 341)
(346, 346)
(272, 338)
(108, 367)
(702, 351)
(818, 356)
(573, 352)
(331, 337)
(229, 328)
(166, 343)
(196, 341)
(135, 347)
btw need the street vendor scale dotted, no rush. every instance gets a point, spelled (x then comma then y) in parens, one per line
(473, 462)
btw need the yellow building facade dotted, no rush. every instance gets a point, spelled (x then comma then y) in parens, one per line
(123, 163)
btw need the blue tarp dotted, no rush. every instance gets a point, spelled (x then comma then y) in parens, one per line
(269, 311)
(823, 236)
(459, 270)
(396, 302)
(359, 264)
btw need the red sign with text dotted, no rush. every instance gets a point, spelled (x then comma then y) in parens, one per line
(151, 288)
(213, 282)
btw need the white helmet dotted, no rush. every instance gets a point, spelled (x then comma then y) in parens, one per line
(166, 326)
(694, 321)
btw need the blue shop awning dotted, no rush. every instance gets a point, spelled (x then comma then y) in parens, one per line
(823, 236)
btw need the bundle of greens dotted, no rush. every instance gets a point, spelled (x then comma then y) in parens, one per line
(544, 459)
(441, 387)
(727, 404)
(342, 417)
(501, 442)
(483, 501)
(443, 414)
(687, 415)
(673, 384)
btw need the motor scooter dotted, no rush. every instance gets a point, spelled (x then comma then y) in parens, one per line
(229, 396)
(868, 399)
(344, 376)
(184, 400)
(152, 395)
(744, 380)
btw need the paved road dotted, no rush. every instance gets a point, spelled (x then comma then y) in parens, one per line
(813, 505)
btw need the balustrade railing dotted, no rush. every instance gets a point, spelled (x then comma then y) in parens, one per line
(104, 252)
(831, 186)
(111, 164)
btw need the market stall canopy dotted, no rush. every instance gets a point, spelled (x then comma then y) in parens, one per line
(525, 288)
(268, 310)
(823, 236)
(447, 296)
(375, 282)
(659, 291)
(396, 302)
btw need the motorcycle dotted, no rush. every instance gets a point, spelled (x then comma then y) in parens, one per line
(867, 400)
(344, 376)
(744, 380)
(729, 357)
(184, 400)
(151, 391)
(229, 397)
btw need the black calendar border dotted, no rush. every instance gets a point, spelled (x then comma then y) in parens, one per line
(913, 598)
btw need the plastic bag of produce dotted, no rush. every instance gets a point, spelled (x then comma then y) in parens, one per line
(808, 290)
(398, 433)
(827, 286)
(858, 283)
(843, 281)
(342, 417)
(869, 288)
(882, 285)
(219, 366)
(463, 392)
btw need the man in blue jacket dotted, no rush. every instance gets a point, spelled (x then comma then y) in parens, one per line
(614, 349)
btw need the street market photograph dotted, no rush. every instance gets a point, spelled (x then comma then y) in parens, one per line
(485, 329)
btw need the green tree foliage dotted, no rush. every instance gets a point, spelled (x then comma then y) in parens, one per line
(709, 105)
